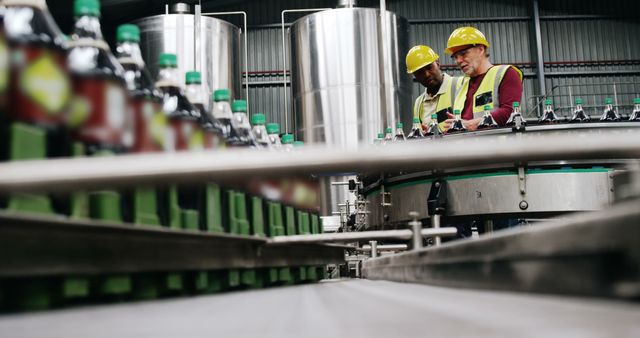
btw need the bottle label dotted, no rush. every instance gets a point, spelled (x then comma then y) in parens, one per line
(158, 127)
(46, 84)
(4, 65)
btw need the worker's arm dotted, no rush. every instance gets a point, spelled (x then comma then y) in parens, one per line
(510, 91)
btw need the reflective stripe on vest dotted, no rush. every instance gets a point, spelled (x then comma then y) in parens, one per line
(486, 94)
(445, 101)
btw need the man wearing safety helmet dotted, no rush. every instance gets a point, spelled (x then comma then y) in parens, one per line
(422, 63)
(483, 83)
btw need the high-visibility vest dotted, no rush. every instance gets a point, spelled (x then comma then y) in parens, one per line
(487, 93)
(445, 100)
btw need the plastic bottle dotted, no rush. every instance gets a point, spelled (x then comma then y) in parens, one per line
(149, 122)
(578, 113)
(635, 115)
(516, 115)
(487, 120)
(433, 129)
(287, 142)
(298, 144)
(549, 115)
(38, 88)
(457, 126)
(379, 139)
(99, 114)
(388, 135)
(184, 118)
(399, 135)
(610, 114)
(221, 111)
(240, 123)
(212, 137)
(273, 129)
(416, 130)
(259, 130)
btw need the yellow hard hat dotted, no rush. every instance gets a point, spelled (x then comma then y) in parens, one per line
(420, 56)
(465, 36)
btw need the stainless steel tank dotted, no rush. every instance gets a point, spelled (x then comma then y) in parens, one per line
(219, 48)
(338, 79)
(339, 85)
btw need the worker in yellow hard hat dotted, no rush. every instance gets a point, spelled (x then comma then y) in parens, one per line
(483, 83)
(422, 63)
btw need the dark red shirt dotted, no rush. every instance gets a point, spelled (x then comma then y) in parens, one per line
(509, 91)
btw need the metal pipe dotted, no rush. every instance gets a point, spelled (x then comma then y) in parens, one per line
(284, 58)
(346, 237)
(435, 225)
(385, 247)
(374, 248)
(184, 167)
(540, 57)
(387, 74)
(245, 32)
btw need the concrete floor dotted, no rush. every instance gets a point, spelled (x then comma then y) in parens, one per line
(346, 308)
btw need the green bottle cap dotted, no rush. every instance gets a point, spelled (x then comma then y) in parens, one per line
(399, 125)
(389, 130)
(86, 7)
(608, 100)
(298, 144)
(239, 106)
(456, 112)
(578, 101)
(257, 119)
(168, 60)
(193, 77)
(416, 120)
(548, 102)
(636, 100)
(273, 128)
(380, 135)
(128, 33)
(221, 95)
(487, 107)
(287, 139)
(516, 104)
(434, 116)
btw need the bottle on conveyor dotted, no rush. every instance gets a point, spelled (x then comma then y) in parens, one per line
(635, 115)
(259, 130)
(487, 120)
(516, 115)
(211, 136)
(273, 129)
(457, 126)
(434, 128)
(149, 121)
(549, 115)
(579, 115)
(287, 142)
(416, 132)
(379, 139)
(610, 114)
(399, 135)
(221, 111)
(388, 135)
(240, 123)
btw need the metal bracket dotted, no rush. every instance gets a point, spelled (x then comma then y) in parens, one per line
(384, 195)
(522, 180)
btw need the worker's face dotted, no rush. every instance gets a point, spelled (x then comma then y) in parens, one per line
(469, 59)
(429, 76)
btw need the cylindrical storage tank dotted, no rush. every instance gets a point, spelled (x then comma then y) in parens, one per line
(340, 85)
(219, 48)
(338, 75)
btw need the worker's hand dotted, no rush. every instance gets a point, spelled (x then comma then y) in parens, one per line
(471, 125)
(448, 122)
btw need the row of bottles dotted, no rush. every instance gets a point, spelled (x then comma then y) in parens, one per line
(108, 101)
(609, 114)
(516, 119)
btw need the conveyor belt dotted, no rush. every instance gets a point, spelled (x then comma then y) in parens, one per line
(351, 308)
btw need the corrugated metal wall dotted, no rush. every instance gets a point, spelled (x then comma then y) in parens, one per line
(589, 45)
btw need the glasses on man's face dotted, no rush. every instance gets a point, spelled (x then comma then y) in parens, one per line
(461, 53)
